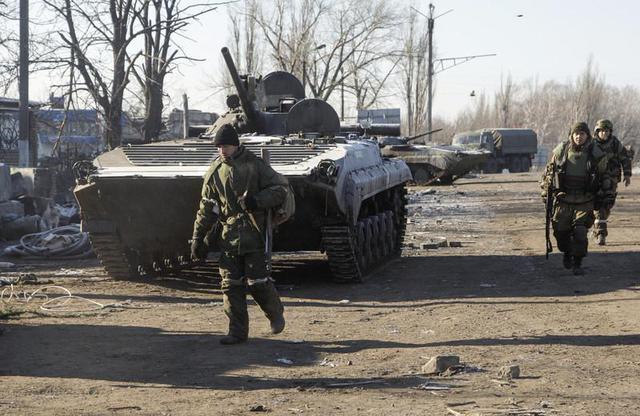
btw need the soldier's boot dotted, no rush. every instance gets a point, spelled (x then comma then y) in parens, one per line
(600, 231)
(266, 296)
(577, 266)
(567, 260)
(234, 297)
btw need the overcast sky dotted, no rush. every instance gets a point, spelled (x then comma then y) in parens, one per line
(552, 40)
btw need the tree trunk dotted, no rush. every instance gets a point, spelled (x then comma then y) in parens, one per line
(154, 107)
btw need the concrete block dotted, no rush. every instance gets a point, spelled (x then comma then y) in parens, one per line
(37, 181)
(5, 182)
(11, 208)
(15, 229)
(440, 363)
(509, 371)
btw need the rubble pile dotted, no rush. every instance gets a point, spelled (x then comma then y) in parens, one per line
(27, 205)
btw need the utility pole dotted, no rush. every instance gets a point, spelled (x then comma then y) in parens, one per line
(341, 94)
(444, 63)
(430, 21)
(24, 133)
(185, 116)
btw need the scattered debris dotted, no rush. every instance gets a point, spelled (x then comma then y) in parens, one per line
(440, 363)
(509, 372)
(69, 272)
(354, 383)
(434, 386)
(326, 363)
(113, 409)
(454, 413)
(258, 408)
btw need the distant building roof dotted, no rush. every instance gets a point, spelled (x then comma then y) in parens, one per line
(6, 102)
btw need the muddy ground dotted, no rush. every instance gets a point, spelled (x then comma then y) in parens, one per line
(353, 349)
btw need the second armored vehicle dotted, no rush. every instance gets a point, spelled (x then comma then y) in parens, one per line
(433, 163)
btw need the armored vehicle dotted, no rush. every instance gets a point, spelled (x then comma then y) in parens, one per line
(432, 163)
(512, 149)
(139, 202)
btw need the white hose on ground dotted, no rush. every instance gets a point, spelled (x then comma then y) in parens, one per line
(75, 245)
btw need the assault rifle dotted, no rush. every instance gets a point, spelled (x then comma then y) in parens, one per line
(268, 238)
(551, 189)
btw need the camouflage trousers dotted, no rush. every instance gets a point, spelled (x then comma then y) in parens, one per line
(570, 225)
(247, 273)
(602, 215)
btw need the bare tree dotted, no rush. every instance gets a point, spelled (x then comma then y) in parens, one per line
(589, 93)
(106, 25)
(245, 41)
(330, 45)
(504, 101)
(160, 22)
(622, 106)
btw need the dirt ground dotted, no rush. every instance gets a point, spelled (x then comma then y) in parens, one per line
(353, 349)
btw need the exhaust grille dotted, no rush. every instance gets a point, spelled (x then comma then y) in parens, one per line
(196, 154)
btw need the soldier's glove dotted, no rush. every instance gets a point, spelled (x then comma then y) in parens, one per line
(249, 203)
(199, 249)
(627, 180)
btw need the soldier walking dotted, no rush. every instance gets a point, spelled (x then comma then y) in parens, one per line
(575, 175)
(619, 166)
(238, 190)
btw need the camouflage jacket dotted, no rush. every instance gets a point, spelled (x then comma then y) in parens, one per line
(594, 181)
(619, 158)
(224, 184)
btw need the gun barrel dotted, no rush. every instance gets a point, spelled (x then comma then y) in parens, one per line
(247, 105)
(417, 136)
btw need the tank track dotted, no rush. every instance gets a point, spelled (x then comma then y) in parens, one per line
(111, 254)
(354, 251)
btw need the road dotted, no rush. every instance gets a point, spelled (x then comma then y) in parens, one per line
(353, 349)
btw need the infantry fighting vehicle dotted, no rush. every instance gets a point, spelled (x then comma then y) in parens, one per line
(512, 149)
(139, 202)
(433, 163)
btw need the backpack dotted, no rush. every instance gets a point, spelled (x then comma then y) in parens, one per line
(285, 211)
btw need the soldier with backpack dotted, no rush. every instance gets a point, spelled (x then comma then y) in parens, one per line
(239, 190)
(619, 164)
(576, 175)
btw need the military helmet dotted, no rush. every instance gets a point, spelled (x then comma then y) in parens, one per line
(604, 125)
(580, 126)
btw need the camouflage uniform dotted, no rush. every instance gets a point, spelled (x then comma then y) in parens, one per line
(580, 175)
(243, 263)
(619, 164)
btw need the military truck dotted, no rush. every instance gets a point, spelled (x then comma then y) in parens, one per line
(511, 149)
